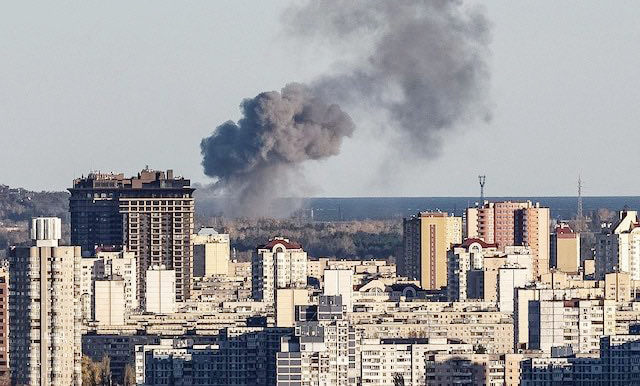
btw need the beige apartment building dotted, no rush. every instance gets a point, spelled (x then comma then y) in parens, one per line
(286, 301)
(565, 249)
(109, 302)
(211, 252)
(511, 223)
(427, 237)
(44, 308)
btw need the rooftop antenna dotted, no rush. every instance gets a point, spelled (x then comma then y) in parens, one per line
(482, 179)
(580, 215)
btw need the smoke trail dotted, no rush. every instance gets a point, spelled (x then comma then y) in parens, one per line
(422, 64)
(254, 159)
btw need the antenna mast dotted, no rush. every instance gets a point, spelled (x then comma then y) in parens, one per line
(481, 179)
(580, 214)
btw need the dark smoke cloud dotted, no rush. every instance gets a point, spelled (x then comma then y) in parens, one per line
(421, 64)
(255, 159)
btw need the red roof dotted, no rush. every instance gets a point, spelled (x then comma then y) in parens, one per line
(467, 243)
(277, 240)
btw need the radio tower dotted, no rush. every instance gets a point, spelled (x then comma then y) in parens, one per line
(481, 179)
(579, 215)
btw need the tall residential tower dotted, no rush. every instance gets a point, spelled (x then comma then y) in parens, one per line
(513, 223)
(427, 238)
(150, 215)
(44, 309)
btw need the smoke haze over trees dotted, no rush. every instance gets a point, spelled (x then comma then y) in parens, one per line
(421, 65)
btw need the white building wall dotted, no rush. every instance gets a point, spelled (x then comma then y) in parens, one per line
(110, 303)
(339, 282)
(161, 287)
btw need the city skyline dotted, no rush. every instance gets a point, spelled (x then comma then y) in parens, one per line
(107, 78)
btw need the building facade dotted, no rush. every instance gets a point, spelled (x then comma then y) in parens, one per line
(160, 294)
(279, 263)
(44, 307)
(513, 223)
(150, 215)
(210, 253)
(565, 249)
(618, 246)
(427, 237)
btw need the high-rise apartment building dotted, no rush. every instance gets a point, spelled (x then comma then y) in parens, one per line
(150, 215)
(279, 263)
(513, 223)
(427, 237)
(44, 308)
(4, 323)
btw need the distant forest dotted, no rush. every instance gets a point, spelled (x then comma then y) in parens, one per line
(366, 239)
(362, 239)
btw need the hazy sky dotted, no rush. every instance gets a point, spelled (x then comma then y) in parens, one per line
(116, 86)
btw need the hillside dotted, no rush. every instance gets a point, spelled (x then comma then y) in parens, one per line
(18, 205)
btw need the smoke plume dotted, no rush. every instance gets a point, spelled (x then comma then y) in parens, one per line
(421, 64)
(254, 159)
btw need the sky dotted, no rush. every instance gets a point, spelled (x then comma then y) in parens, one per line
(116, 86)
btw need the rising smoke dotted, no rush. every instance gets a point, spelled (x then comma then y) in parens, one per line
(423, 64)
(254, 159)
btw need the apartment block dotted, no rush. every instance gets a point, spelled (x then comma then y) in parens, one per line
(511, 223)
(618, 246)
(44, 309)
(150, 215)
(107, 265)
(390, 361)
(109, 302)
(465, 369)
(617, 364)
(565, 249)
(427, 237)
(320, 353)
(279, 263)
(211, 252)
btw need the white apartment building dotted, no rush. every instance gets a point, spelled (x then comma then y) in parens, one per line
(211, 252)
(510, 277)
(44, 308)
(278, 264)
(108, 265)
(161, 290)
(462, 259)
(340, 282)
(385, 361)
(573, 322)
